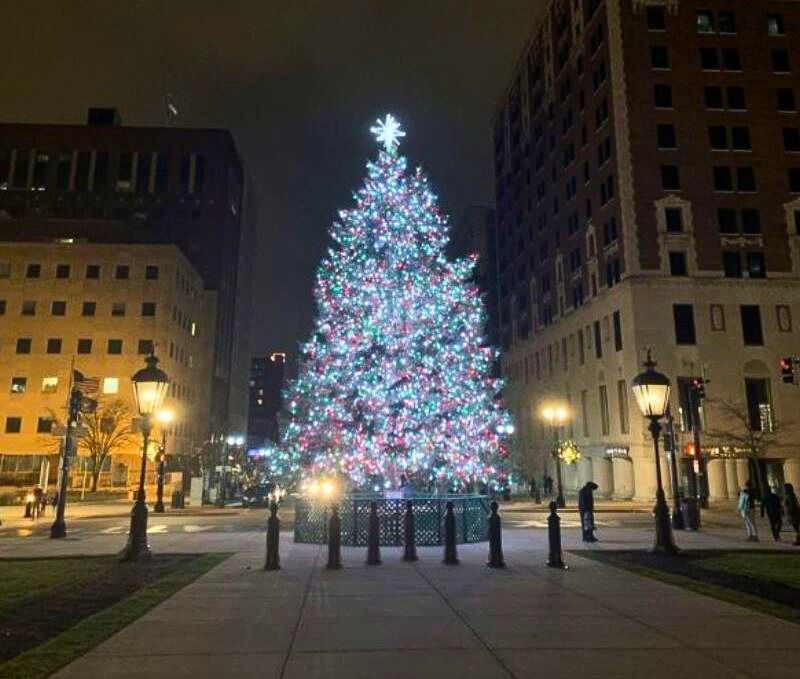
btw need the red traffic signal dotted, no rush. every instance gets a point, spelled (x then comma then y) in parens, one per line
(698, 386)
(786, 366)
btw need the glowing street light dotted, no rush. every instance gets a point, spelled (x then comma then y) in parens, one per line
(556, 415)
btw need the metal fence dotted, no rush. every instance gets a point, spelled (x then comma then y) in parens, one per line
(471, 512)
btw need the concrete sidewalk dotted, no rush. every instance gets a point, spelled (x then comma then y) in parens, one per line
(428, 620)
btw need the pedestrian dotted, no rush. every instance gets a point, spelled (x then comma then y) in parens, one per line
(548, 485)
(771, 506)
(533, 486)
(745, 507)
(586, 509)
(37, 501)
(54, 500)
(792, 510)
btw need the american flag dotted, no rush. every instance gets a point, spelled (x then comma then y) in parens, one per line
(85, 385)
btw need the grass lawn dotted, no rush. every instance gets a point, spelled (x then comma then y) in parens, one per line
(53, 610)
(765, 581)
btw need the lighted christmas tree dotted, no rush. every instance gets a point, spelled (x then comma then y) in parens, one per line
(396, 378)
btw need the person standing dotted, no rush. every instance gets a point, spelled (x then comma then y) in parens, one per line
(745, 507)
(771, 506)
(586, 509)
(792, 510)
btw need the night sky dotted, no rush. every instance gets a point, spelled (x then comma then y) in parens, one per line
(298, 84)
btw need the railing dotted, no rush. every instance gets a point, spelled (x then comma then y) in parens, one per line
(471, 512)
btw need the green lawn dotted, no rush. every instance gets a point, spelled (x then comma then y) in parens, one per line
(780, 568)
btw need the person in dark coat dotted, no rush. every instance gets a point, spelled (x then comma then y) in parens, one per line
(586, 509)
(792, 510)
(771, 506)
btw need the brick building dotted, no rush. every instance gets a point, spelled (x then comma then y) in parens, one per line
(648, 195)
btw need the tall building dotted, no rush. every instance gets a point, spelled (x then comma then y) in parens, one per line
(106, 183)
(475, 235)
(266, 384)
(648, 196)
(101, 310)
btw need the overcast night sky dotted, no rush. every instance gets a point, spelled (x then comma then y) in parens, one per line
(298, 84)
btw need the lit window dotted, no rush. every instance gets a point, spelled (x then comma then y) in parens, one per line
(49, 385)
(111, 385)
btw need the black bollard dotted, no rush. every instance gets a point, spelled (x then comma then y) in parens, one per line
(495, 540)
(450, 553)
(374, 536)
(273, 562)
(555, 559)
(334, 540)
(409, 533)
(28, 510)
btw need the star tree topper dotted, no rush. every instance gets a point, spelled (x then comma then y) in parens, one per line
(388, 132)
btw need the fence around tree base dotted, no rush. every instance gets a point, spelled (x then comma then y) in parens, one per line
(471, 512)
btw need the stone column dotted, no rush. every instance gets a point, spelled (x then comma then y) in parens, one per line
(717, 481)
(731, 478)
(623, 478)
(791, 472)
(742, 474)
(584, 471)
(602, 476)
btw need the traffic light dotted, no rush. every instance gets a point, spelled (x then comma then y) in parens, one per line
(699, 388)
(786, 365)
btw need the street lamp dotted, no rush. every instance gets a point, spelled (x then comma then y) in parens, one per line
(164, 417)
(149, 389)
(556, 416)
(651, 390)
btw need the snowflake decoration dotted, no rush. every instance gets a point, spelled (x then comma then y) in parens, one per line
(388, 132)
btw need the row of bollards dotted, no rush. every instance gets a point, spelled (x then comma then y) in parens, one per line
(555, 558)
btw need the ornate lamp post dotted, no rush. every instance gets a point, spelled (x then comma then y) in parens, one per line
(651, 390)
(556, 416)
(164, 417)
(149, 389)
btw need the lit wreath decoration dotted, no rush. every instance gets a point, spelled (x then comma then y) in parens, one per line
(568, 452)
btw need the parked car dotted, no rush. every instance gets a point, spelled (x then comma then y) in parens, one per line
(257, 496)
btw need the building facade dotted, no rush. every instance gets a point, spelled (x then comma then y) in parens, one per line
(107, 183)
(266, 386)
(647, 157)
(100, 309)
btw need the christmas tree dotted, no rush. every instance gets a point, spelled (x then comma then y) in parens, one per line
(395, 380)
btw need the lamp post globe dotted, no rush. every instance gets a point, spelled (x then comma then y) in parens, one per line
(149, 389)
(651, 390)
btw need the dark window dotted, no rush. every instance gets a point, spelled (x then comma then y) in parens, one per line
(793, 174)
(2, 307)
(656, 19)
(122, 272)
(199, 174)
(666, 137)
(683, 315)
(780, 61)
(756, 266)
(726, 22)
(759, 404)
(125, 172)
(54, 345)
(670, 178)
(21, 169)
(186, 163)
(143, 162)
(82, 171)
(62, 271)
(85, 346)
(732, 264)
(93, 271)
(145, 346)
(736, 100)
(662, 95)
(151, 273)
(745, 179)
(19, 385)
(114, 346)
(718, 138)
(723, 179)
(713, 97)
(730, 59)
(673, 216)
(791, 139)
(598, 344)
(677, 264)
(705, 21)
(118, 308)
(617, 331)
(33, 271)
(100, 170)
(740, 138)
(58, 308)
(28, 307)
(24, 345)
(162, 173)
(44, 425)
(88, 308)
(659, 56)
(726, 220)
(709, 59)
(13, 425)
(775, 25)
(751, 325)
(751, 220)
(148, 308)
(40, 164)
(63, 168)
(785, 97)
(796, 225)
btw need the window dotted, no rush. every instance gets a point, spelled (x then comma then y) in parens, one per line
(28, 307)
(93, 271)
(118, 308)
(740, 138)
(723, 179)
(5, 269)
(785, 97)
(717, 317)
(604, 419)
(44, 425)
(598, 345)
(709, 59)
(705, 21)
(751, 220)
(713, 98)
(581, 353)
(162, 172)
(730, 59)
(622, 397)
(759, 404)
(585, 412)
(736, 100)
(617, 331)
(85, 346)
(718, 138)
(88, 308)
(54, 345)
(677, 264)
(49, 385)
(791, 139)
(151, 273)
(19, 385)
(726, 22)
(726, 220)
(24, 345)
(793, 174)
(656, 19)
(683, 315)
(2, 307)
(662, 95)
(122, 272)
(111, 385)
(670, 178)
(780, 61)
(143, 162)
(100, 170)
(58, 308)
(784, 317)
(666, 137)
(751, 325)
(756, 266)
(673, 218)
(62, 271)
(186, 160)
(745, 179)
(125, 172)
(145, 347)
(33, 271)
(659, 57)
(114, 346)
(21, 169)
(13, 425)
(148, 308)
(732, 264)
(82, 171)
(199, 173)
(775, 25)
